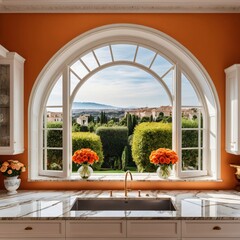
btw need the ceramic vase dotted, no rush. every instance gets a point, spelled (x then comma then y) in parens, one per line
(12, 184)
(85, 171)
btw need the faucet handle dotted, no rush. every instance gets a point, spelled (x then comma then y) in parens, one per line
(111, 193)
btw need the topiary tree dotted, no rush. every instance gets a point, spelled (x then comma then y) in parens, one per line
(87, 140)
(146, 138)
(125, 156)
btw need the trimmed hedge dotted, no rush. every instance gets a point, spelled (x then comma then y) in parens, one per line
(87, 140)
(146, 138)
(114, 139)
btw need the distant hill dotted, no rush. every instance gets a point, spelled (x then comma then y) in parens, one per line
(92, 105)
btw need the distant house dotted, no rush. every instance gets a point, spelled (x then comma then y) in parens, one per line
(83, 119)
(148, 112)
(166, 110)
(54, 116)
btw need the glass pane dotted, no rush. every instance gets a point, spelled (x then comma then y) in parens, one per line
(55, 97)
(145, 56)
(54, 116)
(73, 82)
(4, 105)
(168, 79)
(103, 55)
(190, 118)
(190, 138)
(189, 96)
(90, 61)
(123, 52)
(190, 159)
(79, 69)
(54, 138)
(4, 126)
(160, 65)
(54, 159)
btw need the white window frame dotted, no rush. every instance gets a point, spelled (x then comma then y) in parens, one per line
(184, 61)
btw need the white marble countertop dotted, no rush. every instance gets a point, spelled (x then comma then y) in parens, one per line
(56, 205)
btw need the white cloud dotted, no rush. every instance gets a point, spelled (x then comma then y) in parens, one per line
(123, 86)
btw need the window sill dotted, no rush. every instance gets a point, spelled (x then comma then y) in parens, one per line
(139, 177)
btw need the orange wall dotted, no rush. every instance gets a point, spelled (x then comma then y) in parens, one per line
(213, 38)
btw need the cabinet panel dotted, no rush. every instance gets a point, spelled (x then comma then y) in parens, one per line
(93, 229)
(153, 229)
(209, 238)
(212, 229)
(33, 238)
(30, 229)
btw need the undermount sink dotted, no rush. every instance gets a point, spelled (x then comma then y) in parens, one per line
(123, 205)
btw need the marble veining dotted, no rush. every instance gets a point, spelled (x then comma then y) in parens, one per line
(52, 205)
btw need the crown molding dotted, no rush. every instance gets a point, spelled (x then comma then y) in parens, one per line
(119, 6)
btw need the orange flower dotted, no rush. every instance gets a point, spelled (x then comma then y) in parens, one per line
(163, 156)
(85, 156)
(11, 168)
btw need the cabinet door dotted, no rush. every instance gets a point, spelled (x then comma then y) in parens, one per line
(153, 229)
(32, 229)
(211, 229)
(96, 229)
(232, 109)
(11, 103)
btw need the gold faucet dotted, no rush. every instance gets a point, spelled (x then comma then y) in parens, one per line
(125, 186)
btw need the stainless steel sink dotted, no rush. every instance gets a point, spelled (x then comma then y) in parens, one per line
(123, 205)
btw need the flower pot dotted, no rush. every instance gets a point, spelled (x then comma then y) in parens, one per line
(85, 171)
(12, 184)
(164, 171)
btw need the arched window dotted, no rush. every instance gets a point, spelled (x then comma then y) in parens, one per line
(182, 80)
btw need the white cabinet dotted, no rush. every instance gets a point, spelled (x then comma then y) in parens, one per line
(210, 229)
(233, 109)
(32, 229)
(11, 103)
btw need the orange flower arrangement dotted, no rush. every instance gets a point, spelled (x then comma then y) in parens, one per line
(85, 156)
(11, 168)
(163, 156)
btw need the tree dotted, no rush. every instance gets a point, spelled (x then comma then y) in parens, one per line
(129, 124)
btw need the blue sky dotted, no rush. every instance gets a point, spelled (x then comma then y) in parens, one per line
(124, 85)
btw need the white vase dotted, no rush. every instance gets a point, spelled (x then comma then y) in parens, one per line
(85, 171)
(12, 184)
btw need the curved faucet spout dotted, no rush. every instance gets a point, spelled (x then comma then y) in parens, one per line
(125, 185)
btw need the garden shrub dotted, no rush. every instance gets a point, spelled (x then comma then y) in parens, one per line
(146, 138)
(114, 139)
(87, 140)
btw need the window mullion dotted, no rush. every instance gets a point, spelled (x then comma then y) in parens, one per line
(66, 121)
(199, 142)
(176, 127)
